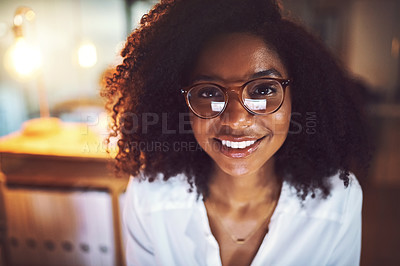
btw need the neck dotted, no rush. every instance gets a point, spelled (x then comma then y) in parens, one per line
(254, 188)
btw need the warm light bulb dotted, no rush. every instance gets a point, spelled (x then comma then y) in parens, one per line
(87, 55)
(18, 19)
(23, 58)
(30, 15)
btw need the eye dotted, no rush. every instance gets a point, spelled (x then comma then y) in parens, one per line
(209, 92)
(263, 90)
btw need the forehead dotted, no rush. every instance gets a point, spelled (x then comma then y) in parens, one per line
(237, 56)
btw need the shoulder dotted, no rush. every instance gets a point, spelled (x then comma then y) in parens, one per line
(342, 201)
(159, 194)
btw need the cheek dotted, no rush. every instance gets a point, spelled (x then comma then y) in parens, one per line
(281, 119)
(278, 122)
(201, 128)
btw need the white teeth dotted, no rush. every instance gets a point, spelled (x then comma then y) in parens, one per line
(238, 145)
(242, 145)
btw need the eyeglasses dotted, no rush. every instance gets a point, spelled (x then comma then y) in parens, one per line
(260, 96)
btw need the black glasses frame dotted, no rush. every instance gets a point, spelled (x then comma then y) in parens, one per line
(185, 91)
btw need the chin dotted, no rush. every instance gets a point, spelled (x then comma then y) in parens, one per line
(237, 169)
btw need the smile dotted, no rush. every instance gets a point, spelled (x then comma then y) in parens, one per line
(238, 148)
(238, 145)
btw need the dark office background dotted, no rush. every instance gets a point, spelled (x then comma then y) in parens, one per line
(364, 34)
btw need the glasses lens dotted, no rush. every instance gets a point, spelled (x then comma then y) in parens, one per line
(263, 96)
(206, 100)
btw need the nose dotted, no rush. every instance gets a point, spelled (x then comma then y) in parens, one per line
(235, 115)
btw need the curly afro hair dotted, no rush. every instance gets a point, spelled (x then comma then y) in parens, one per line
(143, 95)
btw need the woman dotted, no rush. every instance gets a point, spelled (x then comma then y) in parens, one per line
(240, 131)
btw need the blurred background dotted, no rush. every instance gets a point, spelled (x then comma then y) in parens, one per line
(60, 204)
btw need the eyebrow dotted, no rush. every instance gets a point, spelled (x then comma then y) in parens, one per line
(269, 72)
(260, 74)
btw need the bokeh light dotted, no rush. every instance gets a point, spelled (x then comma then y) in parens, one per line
(87, 55)
(22, 59)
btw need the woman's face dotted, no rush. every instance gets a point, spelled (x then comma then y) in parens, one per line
(230, 60)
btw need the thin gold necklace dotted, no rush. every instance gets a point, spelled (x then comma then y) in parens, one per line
(239, 240)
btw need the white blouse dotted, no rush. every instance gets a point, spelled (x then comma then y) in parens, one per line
(167, 225)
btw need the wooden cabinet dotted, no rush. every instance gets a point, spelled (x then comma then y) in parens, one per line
(59, 208)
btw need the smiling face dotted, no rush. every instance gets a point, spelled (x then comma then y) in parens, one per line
(240, 143)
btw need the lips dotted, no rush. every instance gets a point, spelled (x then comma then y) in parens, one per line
(237, 147)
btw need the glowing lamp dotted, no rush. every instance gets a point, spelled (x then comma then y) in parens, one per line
(23, 59)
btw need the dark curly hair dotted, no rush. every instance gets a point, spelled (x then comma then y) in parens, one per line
(144, 95)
